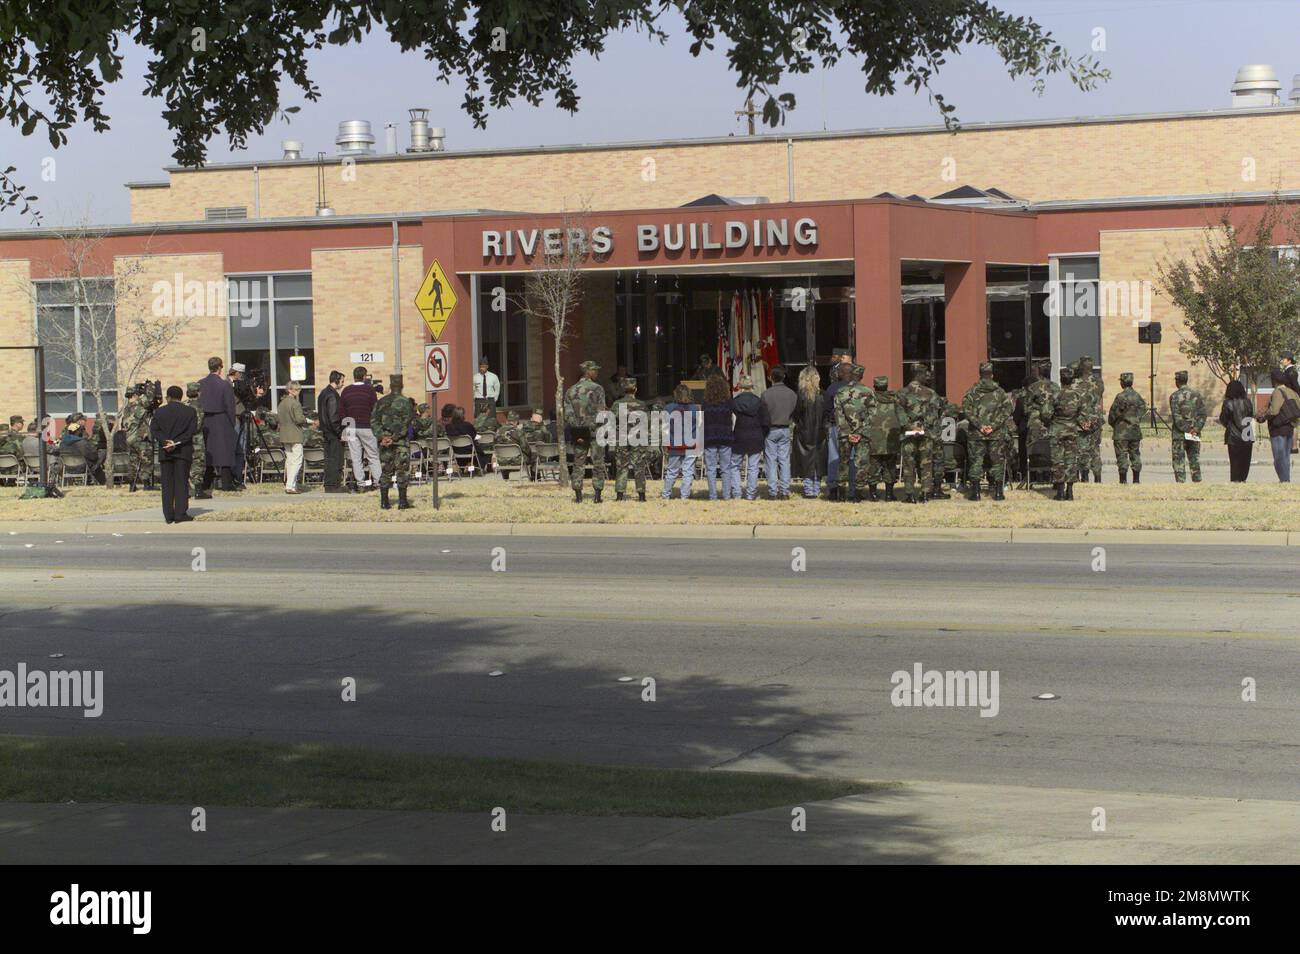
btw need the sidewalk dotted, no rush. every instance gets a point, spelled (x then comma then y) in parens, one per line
(928, 822)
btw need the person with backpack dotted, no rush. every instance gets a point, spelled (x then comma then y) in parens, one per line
(1281, 414)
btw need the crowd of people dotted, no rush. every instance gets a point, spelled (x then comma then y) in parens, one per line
(850, 440)
(860, 442)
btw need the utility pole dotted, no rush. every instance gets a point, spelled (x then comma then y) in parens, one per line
(748, 111)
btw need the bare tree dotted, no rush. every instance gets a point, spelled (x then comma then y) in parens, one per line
(1240, 295)
(552, 291)
(108, 340)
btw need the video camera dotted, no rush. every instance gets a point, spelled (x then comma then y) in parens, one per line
(151, 393)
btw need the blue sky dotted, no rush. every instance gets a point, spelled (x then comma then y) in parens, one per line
(1164, 55)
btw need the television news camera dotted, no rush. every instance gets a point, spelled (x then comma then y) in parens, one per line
(151, 392)
(246, 393)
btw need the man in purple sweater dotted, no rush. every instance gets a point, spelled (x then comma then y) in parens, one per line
(355, 404)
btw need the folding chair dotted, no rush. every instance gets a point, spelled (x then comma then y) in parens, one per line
(11, 469)
(546, 461)
(313, 465)
(444, 460)
(462, 449)
(73, 468)
(487, 442)
(270, 459)
(507, 457)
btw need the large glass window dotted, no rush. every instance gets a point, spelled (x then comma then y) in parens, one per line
(503, 336)
(270, 326)
(1078, 296)
(76, 324)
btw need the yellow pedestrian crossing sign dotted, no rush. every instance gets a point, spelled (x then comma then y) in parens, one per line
(435, 299)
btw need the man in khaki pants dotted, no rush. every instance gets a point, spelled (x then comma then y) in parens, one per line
(293, 422)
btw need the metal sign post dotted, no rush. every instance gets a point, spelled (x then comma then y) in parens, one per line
(437, 377)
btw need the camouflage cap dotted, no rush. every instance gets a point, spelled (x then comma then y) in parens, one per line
(512, 415)
(629, 385)
(1045, 366)
(1067, 374)
(857, 371)
(1180, 377)
(4, 428)
(880, 382)
(1126, 378)
(590, 365)
(423, 407)
(395, 382)
(192, 389)
(1085, 360)
(839, 352)
(986, 367)
(540, 412)
(15, 418)
(75, 416)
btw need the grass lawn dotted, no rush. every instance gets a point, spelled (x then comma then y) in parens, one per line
(268, 775)
(1108, 506)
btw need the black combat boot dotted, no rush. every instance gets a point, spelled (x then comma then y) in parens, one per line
(974, 492)
(1060, 491)
(577, 495)
(383, 499)
(889, 494)
(871, 493)
(1083, 475)
(402, 502)
(1096, 477)
(596, 498)
(1136, 474)
(833, 493)
(640, 496)
(851, 494)
(997, 491)
(1069, 491)
(940, 494)
(1123, 477)
(619, 495)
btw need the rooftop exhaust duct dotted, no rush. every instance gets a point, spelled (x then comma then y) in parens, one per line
(1294, 95)
(291, 148)
(425, 138)
(355, 138)
(390, 138)
(1256, 85)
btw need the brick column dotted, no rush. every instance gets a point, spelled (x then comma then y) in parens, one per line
(965, 325)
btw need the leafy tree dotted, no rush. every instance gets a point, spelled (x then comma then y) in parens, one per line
(1240, 298)
(219, 66)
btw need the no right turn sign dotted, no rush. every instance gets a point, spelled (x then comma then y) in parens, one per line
(437, 367)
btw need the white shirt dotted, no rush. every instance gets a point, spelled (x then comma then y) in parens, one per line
(487, 385)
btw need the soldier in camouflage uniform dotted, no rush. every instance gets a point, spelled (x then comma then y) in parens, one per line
(886, 421)
(923, 409)
(987, 408)
(852, 404)
(536, 432)
(584, 403)
(390, 420)
(424, 424)
(196, 464)
(1090, 441)
(634, 459)
(1125, 418)
(139, 443)
(1011, 440)
(1061, 415)
(948, 415)
(1186, 416)
(1040, 390)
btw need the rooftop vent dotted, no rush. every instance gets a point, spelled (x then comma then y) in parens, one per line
(425, 138)
(390, 138)
(292, 149)
(1256, 85)
(1294, 95)
(355, 138)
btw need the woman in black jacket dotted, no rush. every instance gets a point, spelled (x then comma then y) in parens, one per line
(809, 455)
(749, 436)
(1238, 419)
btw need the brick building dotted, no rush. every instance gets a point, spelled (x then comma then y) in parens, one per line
(1002, 242)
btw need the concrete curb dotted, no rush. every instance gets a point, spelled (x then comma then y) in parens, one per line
(1236, 538)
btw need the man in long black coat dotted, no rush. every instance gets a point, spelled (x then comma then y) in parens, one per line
(173, 428)
(217, 402)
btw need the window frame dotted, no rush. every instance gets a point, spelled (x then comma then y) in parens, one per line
(84, 396)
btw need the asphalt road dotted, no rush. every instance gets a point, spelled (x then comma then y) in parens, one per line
(756, 666)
